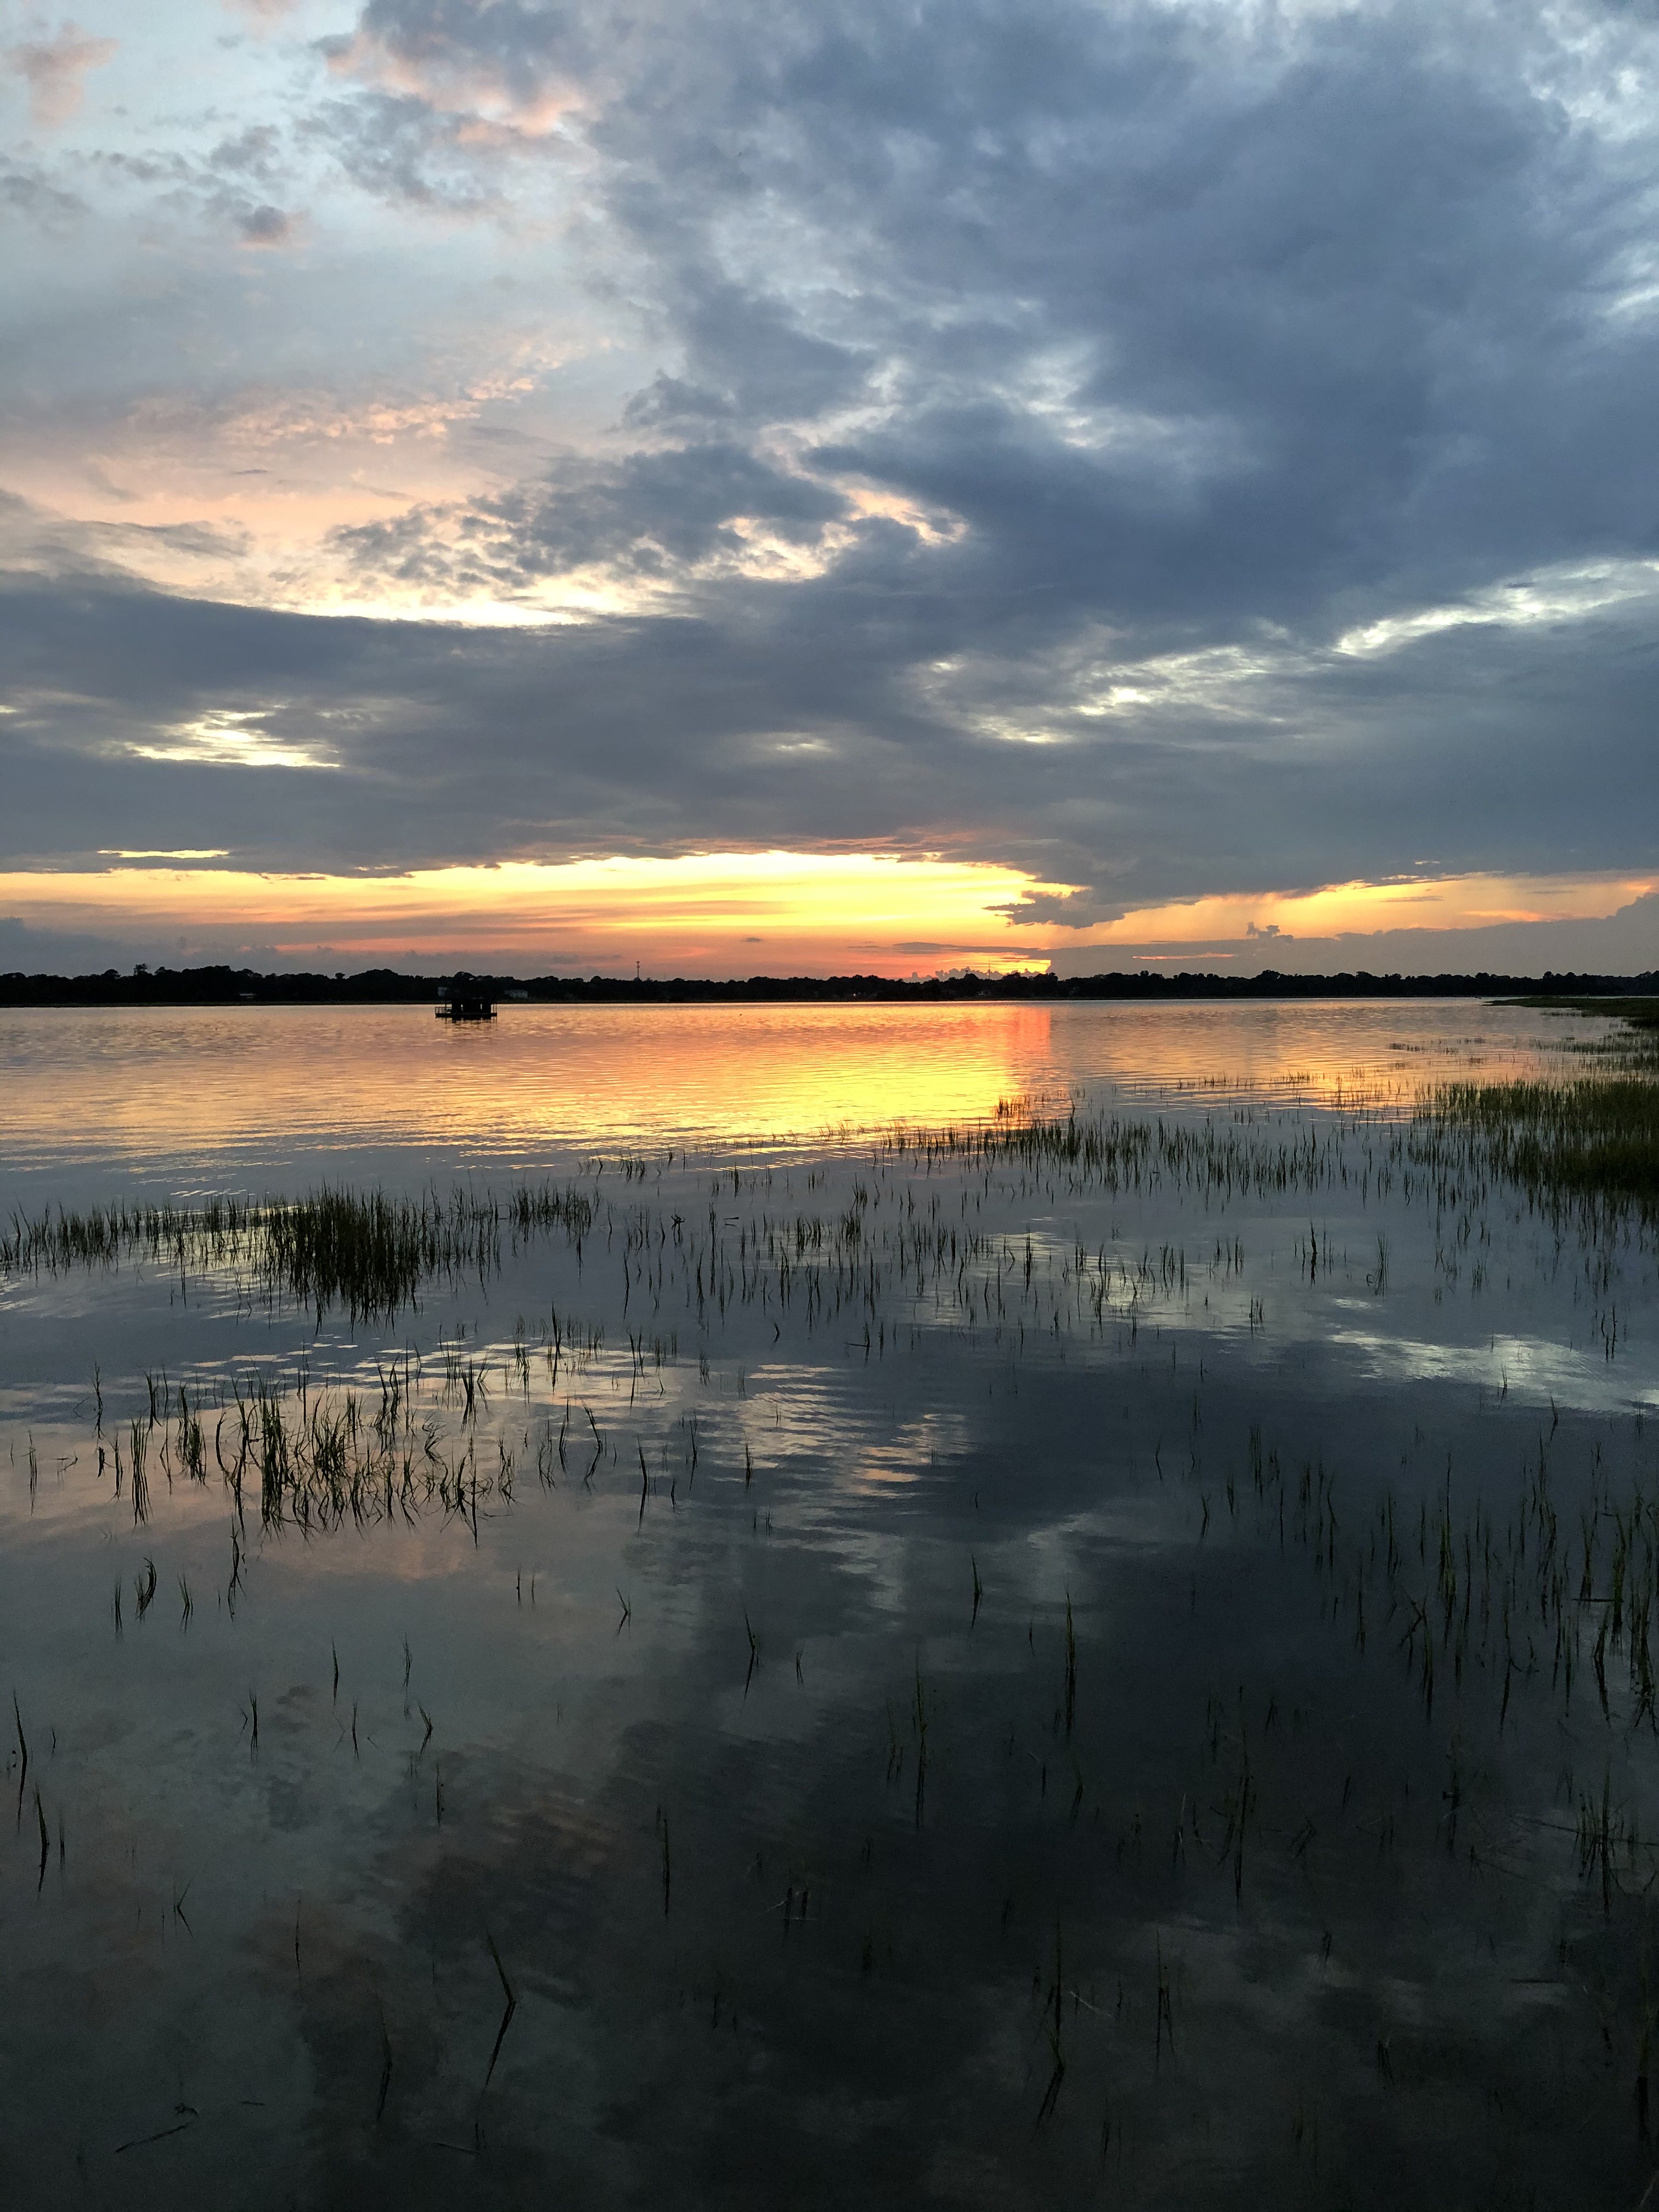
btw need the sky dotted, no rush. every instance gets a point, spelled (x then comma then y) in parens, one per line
(765, 488)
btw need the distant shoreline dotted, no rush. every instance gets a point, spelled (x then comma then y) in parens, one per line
(231, 986)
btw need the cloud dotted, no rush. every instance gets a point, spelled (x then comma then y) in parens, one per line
(27, 190)
(266, 226)
(1172, 447)
(251, 151)
(781, 725)
(1620, 943)
(500, 59)
(1243, 384)
(654, 517)
(24, 950)
(397, 148)
(55, 69)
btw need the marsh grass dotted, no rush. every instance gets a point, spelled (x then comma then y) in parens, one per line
(1589, 1146)
(23, 1753)
(366, 1252)
(1640, 1014)
(511, 2005)
(1592, 1141)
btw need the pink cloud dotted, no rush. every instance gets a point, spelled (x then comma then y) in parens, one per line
(54, 69)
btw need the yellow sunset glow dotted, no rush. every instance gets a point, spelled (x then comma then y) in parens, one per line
(1340, 909)
(741, 913)
(753, 909)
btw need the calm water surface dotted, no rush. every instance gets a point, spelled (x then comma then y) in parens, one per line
(821, 1670)
(191, 1100)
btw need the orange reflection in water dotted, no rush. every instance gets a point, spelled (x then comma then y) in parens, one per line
(237, 1094)
(255, 1097)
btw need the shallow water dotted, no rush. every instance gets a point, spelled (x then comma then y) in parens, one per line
(871, 1673)
(187, 1100)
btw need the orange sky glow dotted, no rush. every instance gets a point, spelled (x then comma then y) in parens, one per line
(745, 913)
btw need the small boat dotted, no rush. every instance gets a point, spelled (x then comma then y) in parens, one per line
(462, 999)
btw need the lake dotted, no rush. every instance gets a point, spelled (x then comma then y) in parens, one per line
(192, 1100)
(981, 1605)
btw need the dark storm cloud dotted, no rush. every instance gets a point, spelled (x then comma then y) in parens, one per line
(1107, 370)
(1329, 323)
(652, 514)
(797, 724)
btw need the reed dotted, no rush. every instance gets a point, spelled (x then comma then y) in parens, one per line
(23, 1753)
(511, 2005)
(369, 1253)
(1593, 1142)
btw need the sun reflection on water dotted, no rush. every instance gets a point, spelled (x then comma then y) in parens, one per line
(241, 1097)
